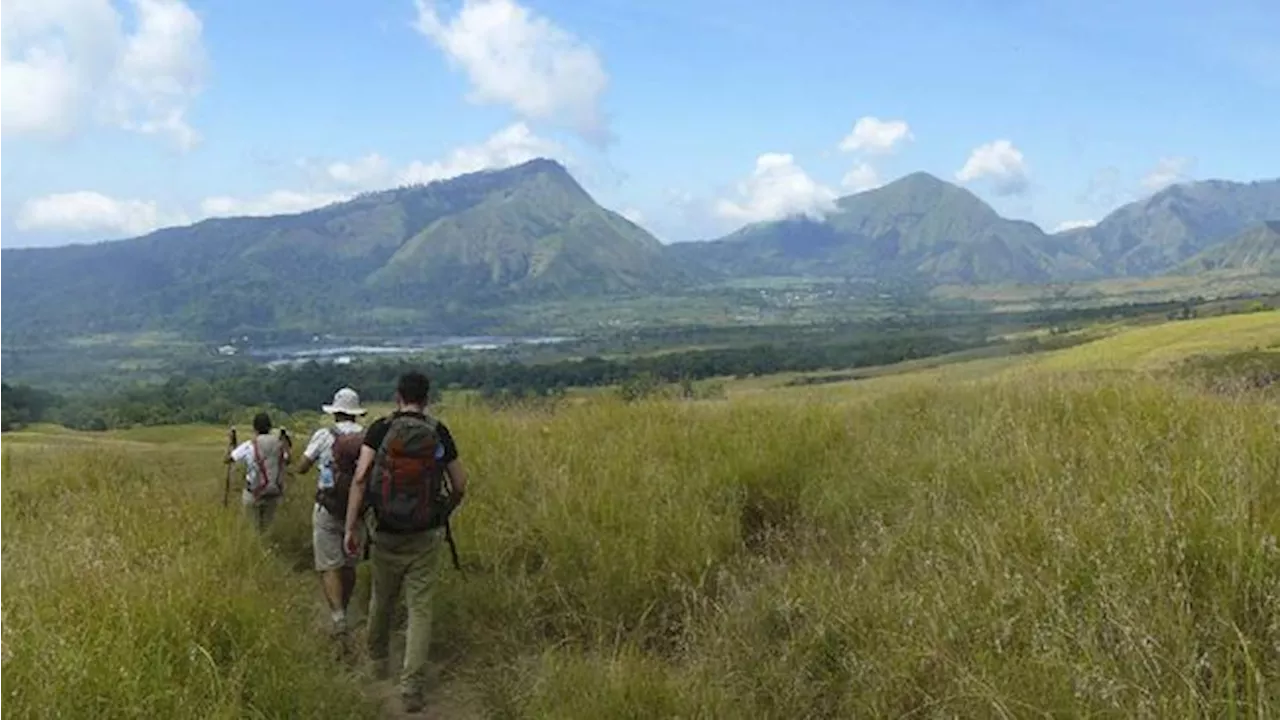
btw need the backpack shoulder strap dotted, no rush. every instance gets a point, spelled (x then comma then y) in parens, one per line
(263, 478)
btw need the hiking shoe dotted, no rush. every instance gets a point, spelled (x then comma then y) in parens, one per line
(412, 702)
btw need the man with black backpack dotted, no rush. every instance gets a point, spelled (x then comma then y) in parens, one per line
(409, 464)
(335, 450)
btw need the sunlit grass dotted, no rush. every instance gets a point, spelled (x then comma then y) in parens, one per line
(1156, 346)
(942, 543)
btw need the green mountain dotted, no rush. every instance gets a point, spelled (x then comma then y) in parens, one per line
(1158, 233)
(426, 257)
(917, 227)
(1256, 249)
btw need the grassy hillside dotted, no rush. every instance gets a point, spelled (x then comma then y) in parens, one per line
(950, 542)
(1159, 346)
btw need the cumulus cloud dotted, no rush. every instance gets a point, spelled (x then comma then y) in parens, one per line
(860, 178)
(510, 146)
(777, 188)
(1066, 225)
(69, 62)
(512, 56)
(999, 162)
(633, 215)
(91, 212)
(1168, 170)
(873, 135)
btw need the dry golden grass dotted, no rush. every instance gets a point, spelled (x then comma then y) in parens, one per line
(953, 542)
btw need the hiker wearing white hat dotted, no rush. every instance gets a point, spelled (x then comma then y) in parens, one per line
(345, 402)
(335, 450)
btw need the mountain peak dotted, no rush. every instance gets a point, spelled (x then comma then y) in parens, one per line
(923, 179)
(537, 166)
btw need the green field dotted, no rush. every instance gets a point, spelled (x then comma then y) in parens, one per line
(1074, 533)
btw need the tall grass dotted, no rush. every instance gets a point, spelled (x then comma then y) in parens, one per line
(133, 593)
(1066, 548)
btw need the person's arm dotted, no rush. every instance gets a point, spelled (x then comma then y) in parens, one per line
(313, 450)
(355, 499)
(457, 480)
(452, 465)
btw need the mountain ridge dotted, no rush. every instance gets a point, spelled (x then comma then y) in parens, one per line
(444, 255)
(441, 252)
(1256, 249)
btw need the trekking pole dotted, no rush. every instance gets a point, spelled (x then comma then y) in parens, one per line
(226, 486)
(453, 547)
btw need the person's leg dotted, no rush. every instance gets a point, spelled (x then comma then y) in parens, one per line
(250, 510)
(268, 512)
(386, 568)
(420, 584)
(330, 561)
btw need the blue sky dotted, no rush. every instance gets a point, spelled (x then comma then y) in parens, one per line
(694, 116)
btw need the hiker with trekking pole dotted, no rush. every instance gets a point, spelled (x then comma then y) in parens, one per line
(264, 457)
(335, 450)
(410, 473)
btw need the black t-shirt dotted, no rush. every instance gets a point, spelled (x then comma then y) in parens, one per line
(374, 436)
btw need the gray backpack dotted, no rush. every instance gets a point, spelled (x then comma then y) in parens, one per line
(268, 457)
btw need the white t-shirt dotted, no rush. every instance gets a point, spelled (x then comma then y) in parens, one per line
(320, 450)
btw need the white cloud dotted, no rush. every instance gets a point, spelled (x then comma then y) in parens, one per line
(1066, 225)
(510, 146)
(278, 202)
(67, 62)
(1168, 170)
(161, 72)
(372, 169)
(1000, 162)
(633, 215)
(873, 135)
(777, 188)
(523, 60)
(861, 177)
(85, 211)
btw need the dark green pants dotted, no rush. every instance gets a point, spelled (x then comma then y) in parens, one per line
(410, 562)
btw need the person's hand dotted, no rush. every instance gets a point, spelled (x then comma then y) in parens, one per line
(351, 543)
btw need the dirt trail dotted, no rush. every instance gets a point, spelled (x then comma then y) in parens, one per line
(447, 700)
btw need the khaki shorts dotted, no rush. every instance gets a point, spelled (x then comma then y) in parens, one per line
(327, 533)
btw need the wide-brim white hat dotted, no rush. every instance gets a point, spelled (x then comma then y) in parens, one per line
(345, 401)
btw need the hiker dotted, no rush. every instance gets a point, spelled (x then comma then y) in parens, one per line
(264, 457)
(335, 449)
(410, 470)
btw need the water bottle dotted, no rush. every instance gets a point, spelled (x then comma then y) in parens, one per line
(326, 474)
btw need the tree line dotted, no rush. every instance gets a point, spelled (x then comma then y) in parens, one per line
(217, 395)
(21, 405)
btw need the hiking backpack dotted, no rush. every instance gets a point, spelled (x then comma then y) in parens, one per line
(407, 484)
(338, 472)
(269, 484)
